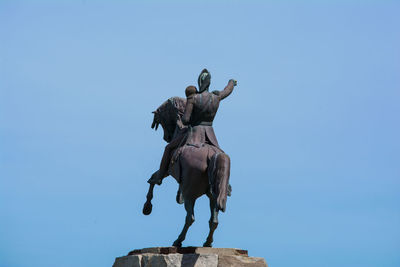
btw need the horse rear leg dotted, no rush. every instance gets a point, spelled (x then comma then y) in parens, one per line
(189, 207)
(213, 223)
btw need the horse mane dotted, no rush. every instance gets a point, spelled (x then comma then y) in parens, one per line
(168, 113)
(179, 105)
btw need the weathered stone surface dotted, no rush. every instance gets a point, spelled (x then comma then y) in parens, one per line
(190, 250)
(224, 261)
(218, 251)
(170, 260)
(200, 260)
(155, 250)
(128, 261)
(159, 260)
(188, 257)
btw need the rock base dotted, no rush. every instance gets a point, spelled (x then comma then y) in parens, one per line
(188, 257)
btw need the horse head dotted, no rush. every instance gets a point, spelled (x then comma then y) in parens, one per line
(167, 115)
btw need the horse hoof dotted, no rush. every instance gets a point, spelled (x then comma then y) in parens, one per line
(147, 208)
(177, 244)
(207, 245)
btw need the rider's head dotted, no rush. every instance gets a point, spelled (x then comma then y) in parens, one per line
(190, 90)
(204, 80)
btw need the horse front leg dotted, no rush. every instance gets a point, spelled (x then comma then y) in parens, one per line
(148, 207)
(213, 223)
(189, 207)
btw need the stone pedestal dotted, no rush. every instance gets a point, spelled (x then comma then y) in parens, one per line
(188, 257)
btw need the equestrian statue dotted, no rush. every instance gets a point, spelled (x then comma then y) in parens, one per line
(193, 156)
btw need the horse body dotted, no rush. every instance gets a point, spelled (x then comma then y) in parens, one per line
(199, 170)
(193, 178)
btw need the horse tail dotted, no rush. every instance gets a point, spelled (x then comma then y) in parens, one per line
(218, 173)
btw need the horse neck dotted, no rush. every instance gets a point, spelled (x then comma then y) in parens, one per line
(171, 116)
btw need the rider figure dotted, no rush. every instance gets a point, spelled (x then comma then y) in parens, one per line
(201, 108)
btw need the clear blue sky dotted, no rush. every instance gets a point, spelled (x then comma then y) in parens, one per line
(312, 128)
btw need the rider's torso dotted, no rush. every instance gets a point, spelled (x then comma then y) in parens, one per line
(205, 107)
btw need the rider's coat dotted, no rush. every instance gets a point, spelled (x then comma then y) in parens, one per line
(199, 114)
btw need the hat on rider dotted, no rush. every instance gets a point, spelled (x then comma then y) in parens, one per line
(204, 80)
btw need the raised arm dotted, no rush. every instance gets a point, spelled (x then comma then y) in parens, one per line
(228, 89)
(190, 93)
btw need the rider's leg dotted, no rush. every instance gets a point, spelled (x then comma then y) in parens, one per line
(157, 177)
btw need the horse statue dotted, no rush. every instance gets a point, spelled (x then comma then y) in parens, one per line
(199, 170)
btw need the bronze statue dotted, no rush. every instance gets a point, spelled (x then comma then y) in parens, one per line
(193, 156)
